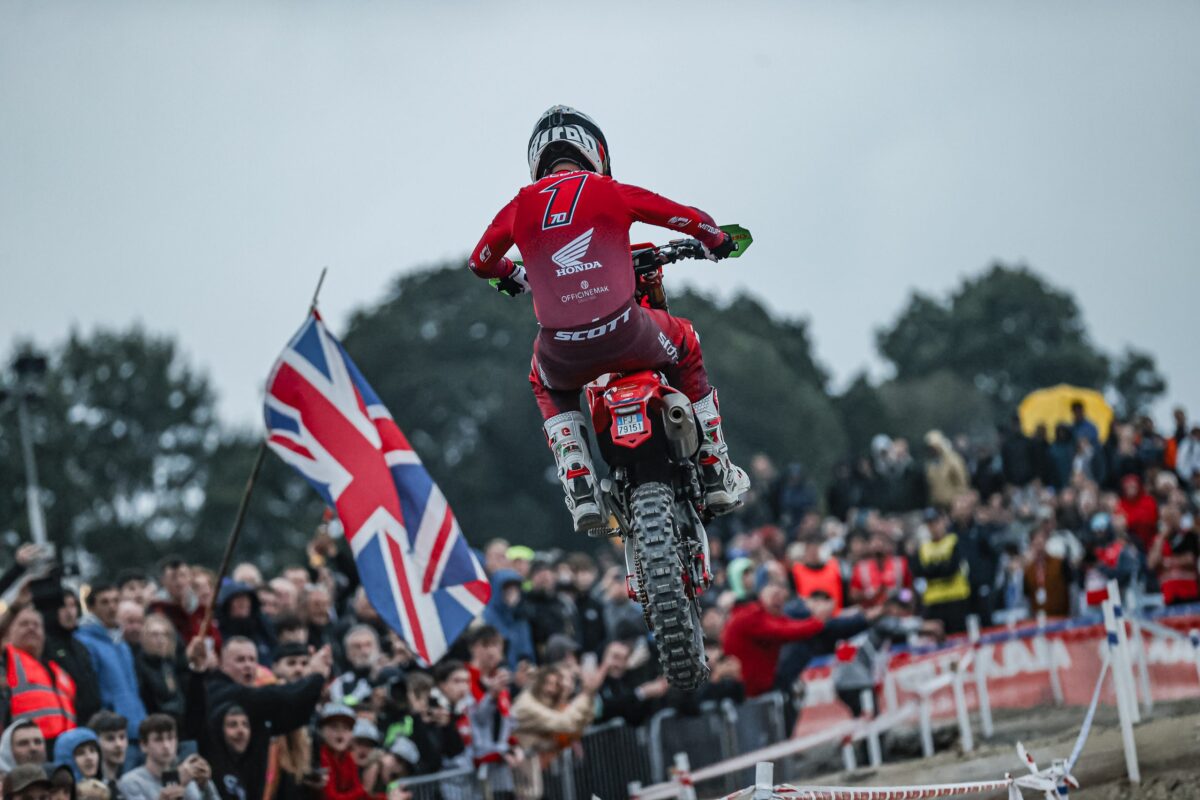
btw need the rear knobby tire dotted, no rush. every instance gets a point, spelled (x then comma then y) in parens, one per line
(672, 612)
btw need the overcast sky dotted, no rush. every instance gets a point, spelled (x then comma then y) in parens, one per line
(192, 165)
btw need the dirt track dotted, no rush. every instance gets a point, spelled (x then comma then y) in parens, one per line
(1168, 752)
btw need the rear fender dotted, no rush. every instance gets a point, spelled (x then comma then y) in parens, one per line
(627, 403)
(624, 405)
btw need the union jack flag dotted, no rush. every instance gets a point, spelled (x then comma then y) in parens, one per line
(325, 420)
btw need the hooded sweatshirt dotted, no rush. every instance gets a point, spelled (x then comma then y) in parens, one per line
(946, 473)
(273, 711)
(509, 620)
(7, 762)
(66, 745)
(735, 575)
(235, 775)
(69, 774)
(254, 627)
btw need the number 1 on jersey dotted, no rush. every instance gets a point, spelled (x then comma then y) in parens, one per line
(564, 194)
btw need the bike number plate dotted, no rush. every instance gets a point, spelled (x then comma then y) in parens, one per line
(630, 423)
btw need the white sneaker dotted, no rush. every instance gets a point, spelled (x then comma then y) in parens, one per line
(568, 442)
(724, 482)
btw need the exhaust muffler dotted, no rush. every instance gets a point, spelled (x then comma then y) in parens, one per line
(679, 423)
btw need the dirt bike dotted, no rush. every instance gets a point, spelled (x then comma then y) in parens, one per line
(649, 437)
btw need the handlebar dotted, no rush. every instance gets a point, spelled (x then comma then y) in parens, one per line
(648, 260)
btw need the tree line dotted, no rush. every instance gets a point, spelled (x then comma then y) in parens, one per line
(134, 462)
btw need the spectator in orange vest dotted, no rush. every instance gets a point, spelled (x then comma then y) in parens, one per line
(813, 573)
(40, 689)
(880, 574)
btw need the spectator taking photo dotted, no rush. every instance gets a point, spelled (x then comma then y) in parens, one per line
(160, 778)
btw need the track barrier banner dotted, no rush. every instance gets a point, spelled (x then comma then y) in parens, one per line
(1016, 676)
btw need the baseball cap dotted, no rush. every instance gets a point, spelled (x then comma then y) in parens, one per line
(288, 649)
(404, 748)
(338, 710)
(24, 777)
(558, 646)
(519, 552)
(365, 729)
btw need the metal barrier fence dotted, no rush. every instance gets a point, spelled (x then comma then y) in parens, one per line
(455, 784)
(757, 723)
(611, 756)
(718, 733)
(707, 737)
(558, 779)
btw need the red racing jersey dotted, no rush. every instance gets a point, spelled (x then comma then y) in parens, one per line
(572, 229)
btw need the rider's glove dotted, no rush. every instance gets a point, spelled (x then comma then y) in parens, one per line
(723, 250)
(514, 284)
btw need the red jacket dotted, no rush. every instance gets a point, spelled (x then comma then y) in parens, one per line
(187, 623)
(344, 783)
(1142, 515)
(755, 636)
(573, 232)
(1177, 573)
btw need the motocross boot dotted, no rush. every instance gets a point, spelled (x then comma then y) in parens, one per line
(568, 442)
(724, 482)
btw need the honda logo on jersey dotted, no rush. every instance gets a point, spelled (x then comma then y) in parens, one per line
(569, 257)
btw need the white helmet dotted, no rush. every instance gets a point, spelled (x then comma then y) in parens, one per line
(562, 132)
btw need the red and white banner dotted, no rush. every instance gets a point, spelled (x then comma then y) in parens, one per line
(1017, 677)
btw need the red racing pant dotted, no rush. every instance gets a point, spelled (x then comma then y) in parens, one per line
(632, 339)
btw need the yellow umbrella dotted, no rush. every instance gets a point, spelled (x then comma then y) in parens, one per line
(1052, 405)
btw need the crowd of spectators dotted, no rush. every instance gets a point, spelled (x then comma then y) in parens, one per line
(296, 688)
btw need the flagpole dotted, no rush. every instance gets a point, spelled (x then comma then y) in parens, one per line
(317, 291)
(244, 505)
(233, 536)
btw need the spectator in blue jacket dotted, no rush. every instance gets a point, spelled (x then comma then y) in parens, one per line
(79, 749)
(1082, 426)
(111, 657)
(505, 614)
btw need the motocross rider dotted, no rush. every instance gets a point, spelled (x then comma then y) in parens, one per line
(572, 228)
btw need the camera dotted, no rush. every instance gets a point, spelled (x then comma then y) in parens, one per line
(439, 700)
